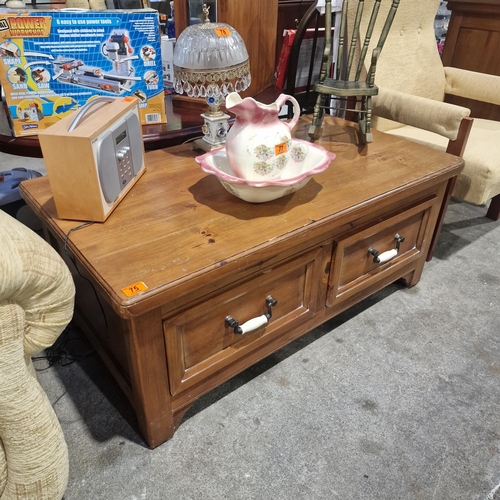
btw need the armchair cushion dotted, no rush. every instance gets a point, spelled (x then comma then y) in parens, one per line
(472, 85)
(439, 117)
(36, 303)
(480, 179)
(410, 45)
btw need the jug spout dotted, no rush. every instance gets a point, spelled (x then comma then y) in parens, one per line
(232, 99)
(248, 109)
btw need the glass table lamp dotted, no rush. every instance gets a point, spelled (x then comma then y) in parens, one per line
(211, 61)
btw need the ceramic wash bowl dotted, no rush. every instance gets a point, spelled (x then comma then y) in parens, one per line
(306, 159)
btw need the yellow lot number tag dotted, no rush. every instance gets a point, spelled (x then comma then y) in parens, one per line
(134, 289)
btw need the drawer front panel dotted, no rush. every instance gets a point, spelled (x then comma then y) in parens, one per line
(199, 342)
(398, 239)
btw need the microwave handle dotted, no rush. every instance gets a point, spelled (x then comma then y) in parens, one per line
(79, 116)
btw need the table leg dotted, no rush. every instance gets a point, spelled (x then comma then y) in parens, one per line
(149, 378)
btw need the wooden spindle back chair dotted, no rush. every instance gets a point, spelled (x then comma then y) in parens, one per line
(312, 22)
(347, 85)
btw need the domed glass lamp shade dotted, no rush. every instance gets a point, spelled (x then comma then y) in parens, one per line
(211, 61)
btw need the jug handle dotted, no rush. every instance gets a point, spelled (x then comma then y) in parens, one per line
(296, 108)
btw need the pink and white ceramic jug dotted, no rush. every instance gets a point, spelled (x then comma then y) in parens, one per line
(258, 145)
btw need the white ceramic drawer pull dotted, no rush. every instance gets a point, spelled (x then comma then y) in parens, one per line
(254, 323)
(380, 258)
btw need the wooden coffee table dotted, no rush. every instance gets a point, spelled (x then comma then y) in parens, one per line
(156, 281)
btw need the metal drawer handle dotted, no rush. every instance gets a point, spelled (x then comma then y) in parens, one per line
(380, 258)
(254, 323)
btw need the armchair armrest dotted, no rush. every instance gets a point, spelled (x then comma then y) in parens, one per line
(472, 85)
(435, 116)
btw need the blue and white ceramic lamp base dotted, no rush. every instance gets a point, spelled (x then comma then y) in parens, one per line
(215, 130)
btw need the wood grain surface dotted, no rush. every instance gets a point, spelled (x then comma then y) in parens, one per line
(201, 254)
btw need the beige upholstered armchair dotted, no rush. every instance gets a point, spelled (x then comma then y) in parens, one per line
(36, 303)
(412, 86)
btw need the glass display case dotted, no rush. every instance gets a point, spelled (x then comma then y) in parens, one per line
(195, 12)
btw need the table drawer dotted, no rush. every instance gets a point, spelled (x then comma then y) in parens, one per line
(365, 257)
(200, 342)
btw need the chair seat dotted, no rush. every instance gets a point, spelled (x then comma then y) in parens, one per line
(480, 179)
(344, 88)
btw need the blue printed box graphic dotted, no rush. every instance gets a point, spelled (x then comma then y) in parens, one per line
(57, 61)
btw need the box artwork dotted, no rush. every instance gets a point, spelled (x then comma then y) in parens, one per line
(52, 63)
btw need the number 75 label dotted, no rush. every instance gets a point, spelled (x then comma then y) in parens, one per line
(222, 31)
(134, 289)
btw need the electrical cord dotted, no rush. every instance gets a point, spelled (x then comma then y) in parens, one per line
(76, 228)
(59, 353)
(66, 239)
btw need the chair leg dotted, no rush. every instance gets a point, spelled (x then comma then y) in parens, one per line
(316, 127)
(369, 136)
(440, 219)
(494, 208)
(364, 120)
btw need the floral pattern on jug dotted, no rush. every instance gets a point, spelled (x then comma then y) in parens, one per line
(259, 144)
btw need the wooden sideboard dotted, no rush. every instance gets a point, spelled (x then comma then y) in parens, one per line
(472, 43)
(156, 282)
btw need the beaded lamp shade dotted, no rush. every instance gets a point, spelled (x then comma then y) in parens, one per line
(210, 61)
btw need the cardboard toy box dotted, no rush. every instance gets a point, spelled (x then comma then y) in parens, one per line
(167, 57)
(53, 62)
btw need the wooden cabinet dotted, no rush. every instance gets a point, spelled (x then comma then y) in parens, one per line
(472, 43)
(202, 255)
(255, 21)
(290, 12)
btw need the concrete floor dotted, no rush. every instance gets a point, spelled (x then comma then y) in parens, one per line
(397, 398)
